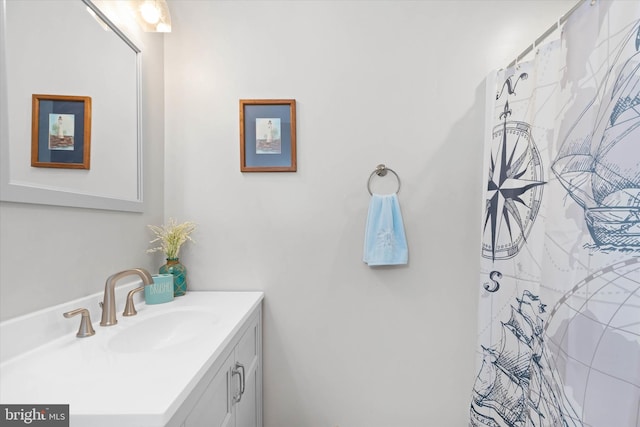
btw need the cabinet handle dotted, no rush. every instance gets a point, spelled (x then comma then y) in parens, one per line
(239, 370)
(241, 366)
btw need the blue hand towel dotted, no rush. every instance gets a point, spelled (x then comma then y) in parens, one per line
(384, 241)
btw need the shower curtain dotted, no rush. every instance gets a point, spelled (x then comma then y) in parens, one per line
(559, 306)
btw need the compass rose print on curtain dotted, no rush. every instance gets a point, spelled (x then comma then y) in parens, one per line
(515, 182)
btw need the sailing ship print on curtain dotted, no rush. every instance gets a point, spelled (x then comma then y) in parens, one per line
(559, 306)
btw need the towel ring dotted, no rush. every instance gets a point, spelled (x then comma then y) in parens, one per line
(381, 170)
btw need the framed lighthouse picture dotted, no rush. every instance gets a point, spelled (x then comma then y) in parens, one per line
(268, 135)
(61, 131)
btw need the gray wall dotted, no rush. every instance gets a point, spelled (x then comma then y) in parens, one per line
(394, 82)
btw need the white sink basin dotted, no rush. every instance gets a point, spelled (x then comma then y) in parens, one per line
(164, 330)
(112, 378)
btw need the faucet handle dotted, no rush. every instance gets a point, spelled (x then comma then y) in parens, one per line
(129, 308)
(85, 329)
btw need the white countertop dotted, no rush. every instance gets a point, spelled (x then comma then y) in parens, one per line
(112, 378)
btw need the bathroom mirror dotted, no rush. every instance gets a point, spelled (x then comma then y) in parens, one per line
(57, 47)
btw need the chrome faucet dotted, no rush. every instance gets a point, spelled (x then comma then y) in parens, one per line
(108, 304)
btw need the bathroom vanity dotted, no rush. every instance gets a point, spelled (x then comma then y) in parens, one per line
(191, 362)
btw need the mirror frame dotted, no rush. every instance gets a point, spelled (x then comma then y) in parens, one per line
(11, 191)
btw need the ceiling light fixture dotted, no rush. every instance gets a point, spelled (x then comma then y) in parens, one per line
(152, 15)
(150, 12)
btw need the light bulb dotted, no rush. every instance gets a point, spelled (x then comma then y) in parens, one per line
(150, 12)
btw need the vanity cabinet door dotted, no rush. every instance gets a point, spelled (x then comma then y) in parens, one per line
(247, 352)
(233, 398)
(214, 408)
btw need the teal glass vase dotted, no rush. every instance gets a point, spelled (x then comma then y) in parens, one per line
(179, 273)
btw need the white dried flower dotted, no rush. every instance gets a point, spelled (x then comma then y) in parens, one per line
(171, 237)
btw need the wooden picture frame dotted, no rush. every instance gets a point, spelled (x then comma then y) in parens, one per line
(268, 135)
(61, 131)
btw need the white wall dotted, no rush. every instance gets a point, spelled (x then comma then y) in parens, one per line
(389, 82)
(50, 255)
(394, 82)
